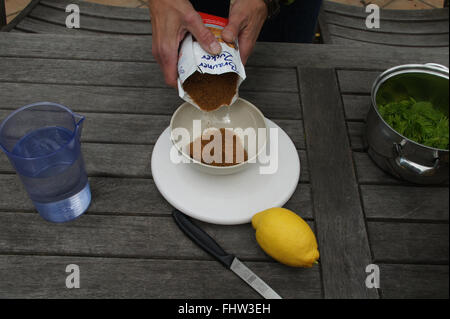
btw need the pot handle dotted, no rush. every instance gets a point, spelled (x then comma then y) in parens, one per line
(412, 167)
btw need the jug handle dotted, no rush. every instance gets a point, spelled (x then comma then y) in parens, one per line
(412, 167)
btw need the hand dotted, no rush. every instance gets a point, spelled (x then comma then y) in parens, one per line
(244, 23)
(171, 20)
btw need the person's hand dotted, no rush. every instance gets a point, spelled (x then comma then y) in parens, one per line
(171, 20)
(244, 23)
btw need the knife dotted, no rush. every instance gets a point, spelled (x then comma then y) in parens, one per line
(202, 239)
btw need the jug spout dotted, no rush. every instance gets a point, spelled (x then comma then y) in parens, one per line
(79, 119)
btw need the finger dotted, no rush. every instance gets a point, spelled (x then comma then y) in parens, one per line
(202, 34)
(246, 45)
(168, 59)
(235, 24)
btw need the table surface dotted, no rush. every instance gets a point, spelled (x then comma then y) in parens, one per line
(127, 245)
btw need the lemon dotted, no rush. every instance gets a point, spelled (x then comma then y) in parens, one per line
(286, 237)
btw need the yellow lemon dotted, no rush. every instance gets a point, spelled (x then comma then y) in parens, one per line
(286, 237)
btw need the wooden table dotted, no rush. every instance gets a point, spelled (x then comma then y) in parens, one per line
(127, 245)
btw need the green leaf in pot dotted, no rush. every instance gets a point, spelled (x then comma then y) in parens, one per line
(418, 121)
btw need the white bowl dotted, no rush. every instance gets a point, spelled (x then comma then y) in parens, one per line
(242, 114)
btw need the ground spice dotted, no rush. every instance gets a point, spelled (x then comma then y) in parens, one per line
(233, 152)
(211, 91)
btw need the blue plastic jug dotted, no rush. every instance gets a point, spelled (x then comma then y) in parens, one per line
(42, 142)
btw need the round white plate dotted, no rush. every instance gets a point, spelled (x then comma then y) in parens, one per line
(229, 199)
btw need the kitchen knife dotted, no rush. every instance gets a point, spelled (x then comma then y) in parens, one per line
(202, 239)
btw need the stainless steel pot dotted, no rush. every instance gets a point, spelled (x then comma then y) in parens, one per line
(394, 153)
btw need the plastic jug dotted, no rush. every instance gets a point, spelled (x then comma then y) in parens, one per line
(42, 142)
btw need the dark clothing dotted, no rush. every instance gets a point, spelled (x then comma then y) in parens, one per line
(295, 23)
(219, 8)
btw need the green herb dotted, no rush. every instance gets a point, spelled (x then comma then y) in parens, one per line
(418, 121)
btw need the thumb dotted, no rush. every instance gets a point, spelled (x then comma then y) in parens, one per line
(203, 35)
(231, 31)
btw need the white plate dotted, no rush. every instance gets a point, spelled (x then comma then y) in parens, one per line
(230, 199)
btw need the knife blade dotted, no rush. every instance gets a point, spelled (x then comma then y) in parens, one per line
(207, 243)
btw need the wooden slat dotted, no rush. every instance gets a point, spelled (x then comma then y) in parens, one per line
(356, 131)
(102, 11)
(409, 242)
(115, 196)
(301, 201)
(126, 74)
(304, 170)
(389, 26)
(145, 129)
(369, 173)
(68, 46)
(336, 40)
(133, 48)
(44, 277)
(394, 15)
(354, 81)
(295, 131)
(128, 196)
(119, 236)
(356, 106)
(338, 213)
(90, 23)
(127, 128)
(406, 203)
(162, 101)
(50, 71)
(113, 160)
(414, 281)
(406, 40)
(31, 25)
(342, 56)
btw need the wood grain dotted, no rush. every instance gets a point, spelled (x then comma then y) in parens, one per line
(356, 132)
(36, 26)
(119, 236)
(138, 48)
(405, 202)
(158, 101)
(113, 160)
(356, 81)
(387, 26)
(91, 23)
(102, 11)
(128, 196)
(44, 277)
(338, 214)
(125, 74)
(390, 15)
(356, 106)
(128, 232)
(414, 281)
(369, 173)
(394, 39)
(409, 242)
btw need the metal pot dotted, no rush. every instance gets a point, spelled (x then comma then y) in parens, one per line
(394, 153)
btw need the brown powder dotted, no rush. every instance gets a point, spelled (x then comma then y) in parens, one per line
(211, 91)
(230, 143)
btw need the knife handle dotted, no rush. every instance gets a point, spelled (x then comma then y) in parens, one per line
(202, 239)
